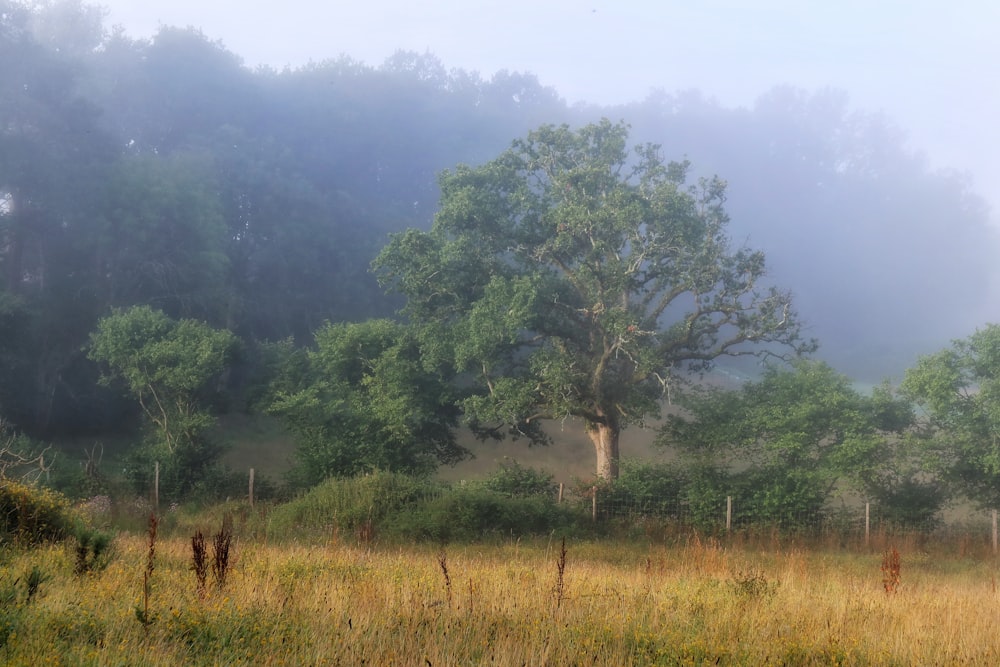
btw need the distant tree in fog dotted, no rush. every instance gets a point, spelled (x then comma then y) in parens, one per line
(887, 258)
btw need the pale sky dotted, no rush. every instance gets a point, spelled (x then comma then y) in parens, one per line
(929, 65)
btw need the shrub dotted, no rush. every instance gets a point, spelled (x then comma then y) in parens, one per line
(20, 457)
(788, 499)
(471, 513)
(645, 489)
(349, 503)
(92, 550)
(32, 514)
(911, 503)
(184, 473)
(705, 491)
(516, 481)
(223, 483)
(399, 506)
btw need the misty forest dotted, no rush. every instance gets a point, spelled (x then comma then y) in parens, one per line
(393, 269)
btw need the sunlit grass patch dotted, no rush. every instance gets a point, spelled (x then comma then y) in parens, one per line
(705, 602)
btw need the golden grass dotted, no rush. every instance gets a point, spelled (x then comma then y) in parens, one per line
(621, 605)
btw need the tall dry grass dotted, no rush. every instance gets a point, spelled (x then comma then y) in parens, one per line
(702, 602)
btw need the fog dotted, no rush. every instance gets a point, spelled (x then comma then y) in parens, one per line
(928, 66)
(246, 169)
(914, 73)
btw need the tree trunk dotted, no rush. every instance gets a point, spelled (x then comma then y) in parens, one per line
(604, 435)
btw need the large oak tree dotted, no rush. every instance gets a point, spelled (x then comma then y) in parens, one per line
(571, 276)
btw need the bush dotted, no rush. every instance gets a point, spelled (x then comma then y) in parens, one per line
(467, 514)
(20, 456)
(705, 491)
(181, 471)
(72, 479)
(221, 483)
(911, 503)
(92, 550)
(515, 481)
(31, 514)
(644, 489)
(787, 499)
(393, 505)
(349, 503)
(776, 497)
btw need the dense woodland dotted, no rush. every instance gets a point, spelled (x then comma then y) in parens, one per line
(241, 211)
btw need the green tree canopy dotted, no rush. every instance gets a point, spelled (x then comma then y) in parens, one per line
(363, 400)
(169, 366)
(797, 432)
(161, 240)
(958, 393)
(572, 277)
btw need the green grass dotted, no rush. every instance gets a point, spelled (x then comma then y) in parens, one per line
(255, 441)
(341, 602)
(262, 443)
(569, 457)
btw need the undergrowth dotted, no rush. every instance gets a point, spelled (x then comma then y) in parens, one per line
(528, 601)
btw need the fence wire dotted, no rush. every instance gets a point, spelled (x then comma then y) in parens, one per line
(730, 514)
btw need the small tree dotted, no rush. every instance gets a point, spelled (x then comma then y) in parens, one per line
(791, 436)
(957, 391)
(363, 400)
(169, 366)
(572, 277)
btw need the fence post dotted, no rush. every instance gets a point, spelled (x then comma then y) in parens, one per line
(994, 532)
(868, 524)
(559, 499)
(729, 513)
(593, 511)
(251, 488)
(156, 488)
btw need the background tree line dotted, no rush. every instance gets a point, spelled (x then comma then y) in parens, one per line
(164, 173)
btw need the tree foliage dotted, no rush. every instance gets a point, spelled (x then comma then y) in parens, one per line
(164, 172)
(163, 242)
(517, 481)
(958, 392)
(572, 277)
(789, 439)
(171, 367)
(363, 400)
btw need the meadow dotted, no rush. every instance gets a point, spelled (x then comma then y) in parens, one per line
(348, 599)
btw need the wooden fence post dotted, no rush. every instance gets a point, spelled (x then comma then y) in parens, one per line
(994, 532)
(593, 510)
(868, 524)
(156, 488)
(729, 513)
(251, 488)
(559, 499)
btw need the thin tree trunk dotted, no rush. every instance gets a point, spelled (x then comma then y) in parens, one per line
(605, 439)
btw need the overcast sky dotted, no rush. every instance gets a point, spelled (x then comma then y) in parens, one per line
(929, 65)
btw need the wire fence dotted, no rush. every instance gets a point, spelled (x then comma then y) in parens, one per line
(846, 522)
(864, 522)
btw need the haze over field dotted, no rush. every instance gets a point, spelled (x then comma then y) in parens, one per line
(389, 228)
(244, 172)
(900, 86)
(928, 66)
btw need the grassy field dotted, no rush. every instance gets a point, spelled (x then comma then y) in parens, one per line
(343, 602)
(261, 443)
